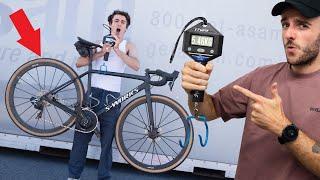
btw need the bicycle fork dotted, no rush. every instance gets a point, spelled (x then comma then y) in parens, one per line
(153, 130)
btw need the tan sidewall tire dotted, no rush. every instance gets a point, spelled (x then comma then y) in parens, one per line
(127, 110)
(9, 88)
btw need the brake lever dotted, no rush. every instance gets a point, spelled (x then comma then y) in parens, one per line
(171, 84)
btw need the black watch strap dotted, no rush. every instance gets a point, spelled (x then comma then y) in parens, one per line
(289, 134)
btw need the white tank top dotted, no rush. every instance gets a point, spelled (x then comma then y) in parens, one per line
(114, 64)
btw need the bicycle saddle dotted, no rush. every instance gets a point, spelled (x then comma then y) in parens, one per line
(87, 43)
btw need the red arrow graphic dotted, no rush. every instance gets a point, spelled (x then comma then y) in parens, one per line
(30, 38)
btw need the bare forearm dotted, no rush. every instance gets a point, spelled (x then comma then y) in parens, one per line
(206, 107)
(132, 62)
(84, 61)
(307, 151)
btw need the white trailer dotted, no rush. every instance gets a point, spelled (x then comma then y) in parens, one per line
(154, 30)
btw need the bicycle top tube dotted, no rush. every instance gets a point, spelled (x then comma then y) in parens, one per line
(144, 86)
(165, 77)
(110, 73)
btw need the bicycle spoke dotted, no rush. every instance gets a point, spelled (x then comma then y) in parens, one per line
(30, 84)
(39, 78)
(169, 146)
(174, 136)
(37, 121)
(22, 103)
(134, 132)
(50, 117)
(131, 139)
(35, 80)
(54, 74)
(135, 125)
(162, 151)
(166, 117)
(58, 114)
(45, 75)
(140, 147)
(140, 121)
(18, 97)
(66, 90)
(25, 110)
(157, 153)
(59, 81)
(170, 122)
(152, 153)
(137, 142)
(142, 117)
(161, 115)
(172, 130)
(26, 92)
(31, 116)
(44, 120)
(146, 152)
(170, 140)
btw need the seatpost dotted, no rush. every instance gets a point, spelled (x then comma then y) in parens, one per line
(88, 99)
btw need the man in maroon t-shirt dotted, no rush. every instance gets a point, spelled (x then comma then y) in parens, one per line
(281, 102)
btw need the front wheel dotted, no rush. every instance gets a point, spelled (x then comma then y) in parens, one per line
(156, 150)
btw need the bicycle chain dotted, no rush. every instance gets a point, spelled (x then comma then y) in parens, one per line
(70, 128)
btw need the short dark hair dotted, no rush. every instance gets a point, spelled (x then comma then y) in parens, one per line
(118, 12)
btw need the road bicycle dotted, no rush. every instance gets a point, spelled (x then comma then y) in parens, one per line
(46, 97)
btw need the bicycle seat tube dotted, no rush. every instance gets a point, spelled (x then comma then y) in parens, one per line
(88, 94)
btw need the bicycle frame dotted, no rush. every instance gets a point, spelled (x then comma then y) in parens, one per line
(143, 86)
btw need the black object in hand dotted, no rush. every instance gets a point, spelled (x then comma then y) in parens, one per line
(110, 40)
(197, 95)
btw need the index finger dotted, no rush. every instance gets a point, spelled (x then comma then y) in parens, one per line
(247, 93)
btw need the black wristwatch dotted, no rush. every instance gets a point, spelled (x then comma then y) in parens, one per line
(289, 134)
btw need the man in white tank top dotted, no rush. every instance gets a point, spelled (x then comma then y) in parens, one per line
(104, 88)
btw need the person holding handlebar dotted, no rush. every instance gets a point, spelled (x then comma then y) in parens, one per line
(281, 138)
(121, 53)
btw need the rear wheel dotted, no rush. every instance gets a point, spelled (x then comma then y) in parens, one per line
(154, 151)
(32, 80)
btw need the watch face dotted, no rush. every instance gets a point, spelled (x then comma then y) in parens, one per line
(290, 133)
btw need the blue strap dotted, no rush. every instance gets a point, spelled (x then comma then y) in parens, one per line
(203, 144)
(200, 58)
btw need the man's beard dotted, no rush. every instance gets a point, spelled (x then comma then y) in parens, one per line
(309, 53)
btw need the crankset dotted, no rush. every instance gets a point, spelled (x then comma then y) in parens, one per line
(88, 122)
